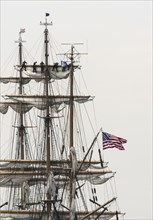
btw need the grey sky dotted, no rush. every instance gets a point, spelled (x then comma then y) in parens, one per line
(118, 39)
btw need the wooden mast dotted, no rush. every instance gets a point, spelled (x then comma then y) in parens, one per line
(71, 127)
(47, 118)
(71, 98)
(21, 126)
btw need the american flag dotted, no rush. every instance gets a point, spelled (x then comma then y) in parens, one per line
(112, 141)
(22, 30)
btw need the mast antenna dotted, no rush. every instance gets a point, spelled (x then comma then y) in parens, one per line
(75, 53)
(46, 23)
(72, 44)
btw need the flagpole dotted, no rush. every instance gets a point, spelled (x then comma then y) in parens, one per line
(99, 150)
(89, 150)
(102, 137)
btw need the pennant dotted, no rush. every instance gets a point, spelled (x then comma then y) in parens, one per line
(47, 14)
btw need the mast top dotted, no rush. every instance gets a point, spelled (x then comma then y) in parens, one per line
(22, 30)
(46, 23)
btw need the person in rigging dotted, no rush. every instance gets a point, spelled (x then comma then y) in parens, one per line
(55, 67)
(42, 66)
(24, 65)
(63, 65)
(34, 67)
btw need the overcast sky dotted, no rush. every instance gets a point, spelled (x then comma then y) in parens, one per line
(118, 38)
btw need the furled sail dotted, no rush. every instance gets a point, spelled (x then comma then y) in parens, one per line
(92, 165)
(39, 100)
(12, 173)
(36, 215)
(14, 80)
(74, 160)
(51, 185)
(25, 107)
(100, 180)
(15, 106)
(28, 102)
(5, 164)
(53, 73)
(38, 76)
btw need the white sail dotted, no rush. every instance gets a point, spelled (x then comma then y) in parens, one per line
(26, 107)
(14, 80)
(38, 100)
(51, 185)
(18, 216)
(74, 160)
(100, 180)
(53, 74)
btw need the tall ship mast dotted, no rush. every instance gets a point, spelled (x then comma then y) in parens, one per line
(49, 169)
